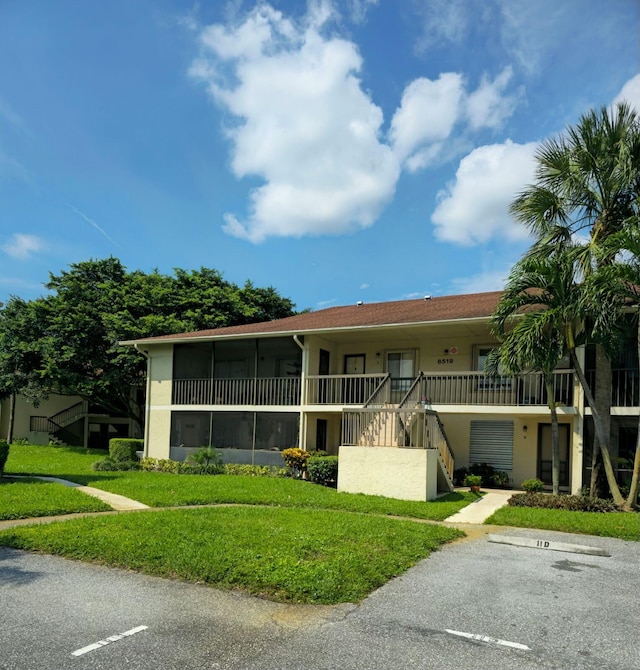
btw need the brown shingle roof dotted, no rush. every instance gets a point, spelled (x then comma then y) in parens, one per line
(445, 308)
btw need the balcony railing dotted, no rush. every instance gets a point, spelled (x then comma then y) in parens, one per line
(455, 388)
(476, 388)
(342, 389)
(261, 391)
(625, 386)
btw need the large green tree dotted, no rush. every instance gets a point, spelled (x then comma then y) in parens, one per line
(20, 356)
(94, 305)
(587, 183)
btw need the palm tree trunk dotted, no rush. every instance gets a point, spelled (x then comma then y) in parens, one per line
(602, 395)
(600, 432)
(555, 438)
(635, 478)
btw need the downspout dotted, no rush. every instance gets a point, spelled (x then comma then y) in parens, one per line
(303, 393)
(147, 400)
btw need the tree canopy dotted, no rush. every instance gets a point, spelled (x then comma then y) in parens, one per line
(68, 341)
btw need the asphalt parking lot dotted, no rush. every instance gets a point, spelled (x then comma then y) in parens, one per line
(473, 604)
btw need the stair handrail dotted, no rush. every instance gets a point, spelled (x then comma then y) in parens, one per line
(411, 393)
(442, 445)
(69, 413)
(382, 386)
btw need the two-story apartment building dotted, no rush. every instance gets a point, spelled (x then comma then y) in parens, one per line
(396, 388)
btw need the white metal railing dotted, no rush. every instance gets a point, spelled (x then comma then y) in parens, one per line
(260, 391)
(394, 427)
(476, 388)
(341, 389)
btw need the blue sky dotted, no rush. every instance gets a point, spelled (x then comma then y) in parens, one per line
(354, 150)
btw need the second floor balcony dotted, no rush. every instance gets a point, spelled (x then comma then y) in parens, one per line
(459, 388)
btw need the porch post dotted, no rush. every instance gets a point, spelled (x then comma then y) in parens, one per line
(577, 441)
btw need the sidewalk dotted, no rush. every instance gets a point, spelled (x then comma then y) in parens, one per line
(480, 510)
(118, 502)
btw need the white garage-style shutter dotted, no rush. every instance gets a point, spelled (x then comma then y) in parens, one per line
(492, 443)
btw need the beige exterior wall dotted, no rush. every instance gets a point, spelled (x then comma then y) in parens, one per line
(408, 474)
(159, 391)
(159, 434)
(333, 431)
(25, 410)
(433, 353)
(525, 440)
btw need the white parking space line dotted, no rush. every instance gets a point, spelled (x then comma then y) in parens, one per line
(109, 640)
(490, 640)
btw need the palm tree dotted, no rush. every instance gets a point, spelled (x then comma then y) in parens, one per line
(536, 324)
(587, 182)
(621, 281)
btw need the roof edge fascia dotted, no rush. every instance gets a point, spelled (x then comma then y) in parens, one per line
(311, 331)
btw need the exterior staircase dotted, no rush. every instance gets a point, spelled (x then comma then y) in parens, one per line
(408, 424)
(59, 425)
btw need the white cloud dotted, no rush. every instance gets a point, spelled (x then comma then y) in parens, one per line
(631, 93)
(443, 21)
(488, 106)
(300, 122)
(475, 206)
(304, 125)
(23, 246)
(358, 9)
(489, 280)
(426, 116)
(365, 286)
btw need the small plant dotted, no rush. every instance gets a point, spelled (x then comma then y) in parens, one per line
(296, 459)
(323, 470)
(4, 454)
(500, 478)
(21, 441)
(206, 456)
(533, 485)
(473, 482)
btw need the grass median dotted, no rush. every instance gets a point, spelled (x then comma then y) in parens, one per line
(158, 489)
(26, 498)
(623, 525)
(293, 555)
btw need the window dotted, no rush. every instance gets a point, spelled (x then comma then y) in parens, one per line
(501, 383)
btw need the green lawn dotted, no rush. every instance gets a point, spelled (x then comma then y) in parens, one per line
(297, 555)
(158, 489)
(623, 525)
(25, 498)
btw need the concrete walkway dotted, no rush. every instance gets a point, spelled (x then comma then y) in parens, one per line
(118, 502)
(480, 510)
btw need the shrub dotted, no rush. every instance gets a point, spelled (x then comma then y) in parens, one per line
(316, 453)
(473, 480)
(247, 470)
(4, 454)
(500, 478)
(484, 470)
(566, 502)
(108, 464)
(124, 448)
(323, 470)
(296, 459)
(533, 485)
(458, 476)
(190, 468)
(21, 441)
